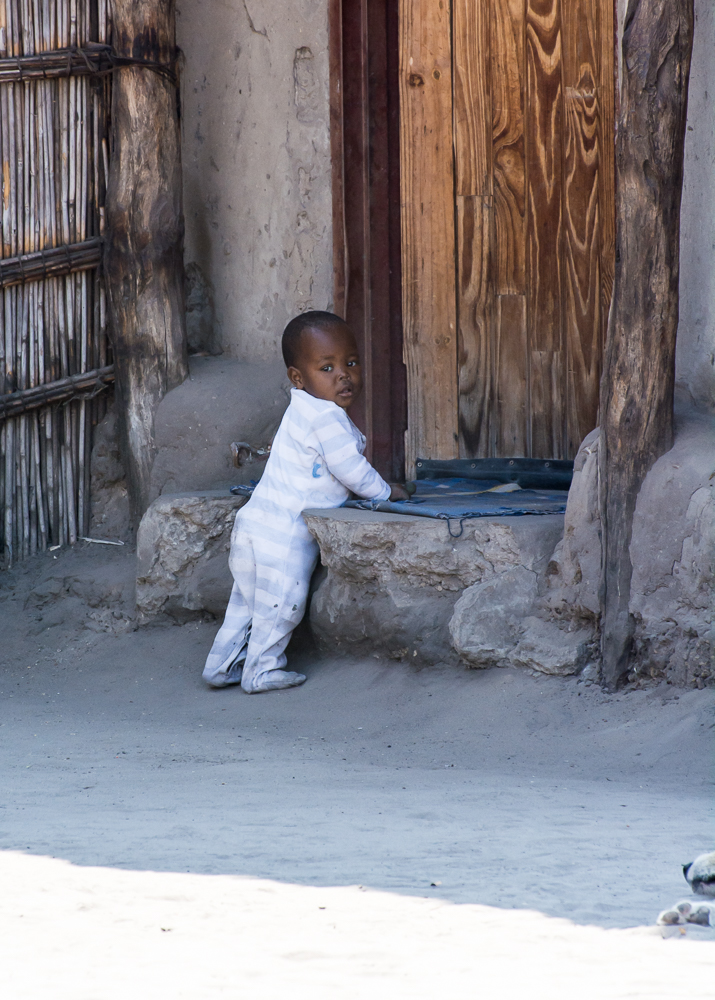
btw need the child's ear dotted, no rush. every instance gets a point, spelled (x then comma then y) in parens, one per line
(295, 377)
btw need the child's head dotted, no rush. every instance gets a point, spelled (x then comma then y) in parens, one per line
(321, 356)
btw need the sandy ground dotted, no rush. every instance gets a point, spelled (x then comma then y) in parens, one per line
(378, 832)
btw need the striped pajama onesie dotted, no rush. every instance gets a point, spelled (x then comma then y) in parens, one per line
(316, 461)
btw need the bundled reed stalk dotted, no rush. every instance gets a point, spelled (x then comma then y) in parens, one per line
(53, 155)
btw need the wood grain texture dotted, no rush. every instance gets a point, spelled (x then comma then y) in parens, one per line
(639, 364)
(356, 200)
(534, 210)
(510, 398)
(145, 228)
(607, 174)
(366, 215)
(428, 232)
(475, 306)
(544, 152)
(511, 375)
(582, 230)
(474, 215)
(508, 86)
(472, 99)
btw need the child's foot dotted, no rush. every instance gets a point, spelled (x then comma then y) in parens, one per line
(275, 680)
(222, 679)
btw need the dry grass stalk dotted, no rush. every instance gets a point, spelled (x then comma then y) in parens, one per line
(53, 156)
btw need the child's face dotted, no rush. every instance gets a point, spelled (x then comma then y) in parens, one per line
(328, 365)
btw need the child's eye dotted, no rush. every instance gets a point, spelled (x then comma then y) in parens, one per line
(351, 364)
(326, 368)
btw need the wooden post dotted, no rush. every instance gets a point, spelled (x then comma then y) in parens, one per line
(144, 248)
(639, 368)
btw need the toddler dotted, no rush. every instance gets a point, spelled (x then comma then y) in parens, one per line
(316, 461)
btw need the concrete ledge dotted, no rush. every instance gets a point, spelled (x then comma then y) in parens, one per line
(182, 554)
(393, 580)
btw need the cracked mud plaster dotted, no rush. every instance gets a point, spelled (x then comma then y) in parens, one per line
(308, 101)
(257, 183)
(251, 23)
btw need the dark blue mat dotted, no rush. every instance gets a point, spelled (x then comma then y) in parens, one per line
(463, 498)
(458, 499)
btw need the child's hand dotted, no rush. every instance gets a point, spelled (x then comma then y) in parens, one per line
(398, 492)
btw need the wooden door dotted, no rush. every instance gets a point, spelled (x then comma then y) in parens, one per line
(507, 199)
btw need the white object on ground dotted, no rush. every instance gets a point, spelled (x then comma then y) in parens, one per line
(99, 541)
(688, 911)
(700, 874)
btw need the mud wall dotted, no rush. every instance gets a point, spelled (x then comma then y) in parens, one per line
(256, 163)
(257, 200)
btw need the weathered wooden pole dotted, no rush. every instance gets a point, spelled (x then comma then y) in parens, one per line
(639, 368)
(144, 242)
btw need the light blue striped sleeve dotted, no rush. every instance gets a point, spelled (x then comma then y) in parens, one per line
(343, 459)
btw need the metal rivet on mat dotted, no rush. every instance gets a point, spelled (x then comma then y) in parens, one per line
(474, 465)
(511, 461)
(547, 464)
(419, 465)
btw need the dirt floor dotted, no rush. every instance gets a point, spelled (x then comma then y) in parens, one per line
(380, 831)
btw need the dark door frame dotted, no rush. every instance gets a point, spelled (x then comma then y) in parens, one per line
(365, 148)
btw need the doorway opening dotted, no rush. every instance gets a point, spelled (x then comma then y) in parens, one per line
(474, 213)
(366, 215)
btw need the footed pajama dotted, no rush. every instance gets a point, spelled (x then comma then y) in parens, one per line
(271, 571)
(315, 461)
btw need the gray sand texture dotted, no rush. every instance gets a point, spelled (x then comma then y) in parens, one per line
(380, 831)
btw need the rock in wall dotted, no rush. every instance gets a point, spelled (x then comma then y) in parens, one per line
(673, 555)
(672, 552)
(182, 555)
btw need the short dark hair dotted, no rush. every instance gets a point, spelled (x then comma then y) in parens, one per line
(316, 319)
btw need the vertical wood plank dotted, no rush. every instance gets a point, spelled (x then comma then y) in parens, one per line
(428, 235)
(544, 128)
(366, 198)
(607, 177)
(475, 309)
(547, 403)
(335, 60)
(511, 373)
(582, 228)
(473, 188)
(589, 206)
(508, 94)
(356, 199)
(398, 372)
(472, 99)
(387, 416)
